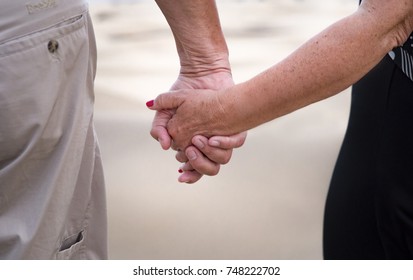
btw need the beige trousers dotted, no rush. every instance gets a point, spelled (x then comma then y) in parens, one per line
(52, 196)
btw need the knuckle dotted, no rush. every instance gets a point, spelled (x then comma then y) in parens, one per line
(173, 130)
(240, 140)
(225, 157)
(196, 178)
(214, 171)
(154, 133)
(174, 146)
(181, 157)
(193, 177)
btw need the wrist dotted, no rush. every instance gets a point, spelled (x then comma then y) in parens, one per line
(198, 64)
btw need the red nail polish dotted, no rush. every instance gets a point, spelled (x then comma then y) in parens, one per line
(180, 171)
(149, 103)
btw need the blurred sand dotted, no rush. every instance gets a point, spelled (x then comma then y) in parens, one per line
(268, 202)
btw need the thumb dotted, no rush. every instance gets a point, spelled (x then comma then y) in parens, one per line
(165, 101)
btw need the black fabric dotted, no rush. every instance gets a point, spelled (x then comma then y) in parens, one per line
(369, 208)
(403, 57)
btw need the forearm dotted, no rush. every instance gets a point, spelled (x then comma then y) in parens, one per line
(327, 64)
(197, 31)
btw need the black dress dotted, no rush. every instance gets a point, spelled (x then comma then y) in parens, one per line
(369, 208)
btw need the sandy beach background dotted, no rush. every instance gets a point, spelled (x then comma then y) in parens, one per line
(268, 202)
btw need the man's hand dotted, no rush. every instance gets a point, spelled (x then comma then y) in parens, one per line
(200, 158)
(203, 56)
(206, 156)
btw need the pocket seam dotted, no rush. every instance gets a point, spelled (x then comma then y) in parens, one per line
(33, 39)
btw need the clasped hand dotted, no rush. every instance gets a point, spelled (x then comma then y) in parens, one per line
(187, 120)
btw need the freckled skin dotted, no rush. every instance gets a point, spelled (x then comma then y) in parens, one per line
(323, 66)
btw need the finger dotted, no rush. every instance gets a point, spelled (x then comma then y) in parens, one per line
(189, 174)
(217, 155)
(228, 142)
(201, 163)
(165, 101)
(190, 177)
(159, 128)
(180, 147)
(181, 157)
(187, 166)
(162, 136)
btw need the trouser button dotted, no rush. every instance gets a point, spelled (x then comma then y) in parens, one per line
(52, 46)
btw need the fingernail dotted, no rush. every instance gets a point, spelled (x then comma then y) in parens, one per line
(214, 143)
(191, 155)
(150, 103)
(199, 144)
(180, 171)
